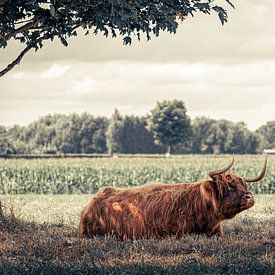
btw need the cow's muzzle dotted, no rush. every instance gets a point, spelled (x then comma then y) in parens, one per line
(247, 200)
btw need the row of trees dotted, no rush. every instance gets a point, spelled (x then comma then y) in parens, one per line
(166, 128)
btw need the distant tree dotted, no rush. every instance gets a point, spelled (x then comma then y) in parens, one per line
(114, 133)
(224, 137)
(67, 139)
(136, 139)
(267, 135)
(64, 140)
(99, 138)
(80, 134)
(253, 143)
(99, 135)
(169, 123)
(240, 140)
(6, 146)
(218, 136)
(44, 135)
(184, 147)
(92, 134)
(32, 22)
(201, 128)
(17, 137)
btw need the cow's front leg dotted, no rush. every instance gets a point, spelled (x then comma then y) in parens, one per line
(216, 230)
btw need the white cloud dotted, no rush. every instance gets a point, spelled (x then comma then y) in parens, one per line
(55, 71)
(240, 92)
(83, 85)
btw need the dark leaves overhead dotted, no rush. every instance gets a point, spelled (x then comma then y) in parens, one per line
(33, 21)
(221, 13)
(127, 40)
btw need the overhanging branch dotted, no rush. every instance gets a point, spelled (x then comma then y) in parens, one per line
(16, 61)
(30, 22)
(26, 50)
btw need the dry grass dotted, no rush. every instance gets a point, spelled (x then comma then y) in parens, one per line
(39, 236)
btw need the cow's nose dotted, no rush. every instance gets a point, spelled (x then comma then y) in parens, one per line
(248, 196)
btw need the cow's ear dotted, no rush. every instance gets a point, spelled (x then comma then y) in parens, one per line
(217, 187)
(210, 193)
(208, 189)
(214, 187)
(207, 185)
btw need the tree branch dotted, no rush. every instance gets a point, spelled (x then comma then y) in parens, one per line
(25, 51)
(25, 21)
(25, 27)
(16, 61)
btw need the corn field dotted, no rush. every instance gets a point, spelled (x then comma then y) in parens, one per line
(80, 175)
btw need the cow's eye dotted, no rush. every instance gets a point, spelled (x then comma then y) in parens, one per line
(232, 188)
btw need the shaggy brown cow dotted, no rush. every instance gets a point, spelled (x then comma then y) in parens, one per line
(158, 210)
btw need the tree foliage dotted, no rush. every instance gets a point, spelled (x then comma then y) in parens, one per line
(57, 134)
(201, 130)
(222, 137)
(6, 147)
(169, 123)
(136, 139)
(267, 135)
(31, 22)
(89, 134)
(114, 133)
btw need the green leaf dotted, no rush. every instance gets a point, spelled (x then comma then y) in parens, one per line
(127, 40)
(63, 41)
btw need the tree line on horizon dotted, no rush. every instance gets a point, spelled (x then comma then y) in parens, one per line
(166, 129)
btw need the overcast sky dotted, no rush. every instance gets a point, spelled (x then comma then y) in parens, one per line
(218, 71)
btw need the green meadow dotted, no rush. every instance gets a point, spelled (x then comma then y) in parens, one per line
(42, 201)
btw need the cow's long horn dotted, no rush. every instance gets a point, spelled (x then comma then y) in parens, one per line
(220, 171)
(261, 175)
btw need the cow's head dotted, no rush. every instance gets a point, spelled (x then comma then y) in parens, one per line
(231, 191)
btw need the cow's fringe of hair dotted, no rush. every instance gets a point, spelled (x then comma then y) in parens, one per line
(223, 182)
(151, 211)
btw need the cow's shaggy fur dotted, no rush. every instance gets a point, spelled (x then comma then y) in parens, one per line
(157, 210)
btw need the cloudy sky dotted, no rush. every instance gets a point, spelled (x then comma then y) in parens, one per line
(218, 71)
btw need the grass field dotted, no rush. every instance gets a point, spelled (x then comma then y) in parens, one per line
(39, 236)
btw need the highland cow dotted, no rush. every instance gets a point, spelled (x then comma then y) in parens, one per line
(158, 210)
